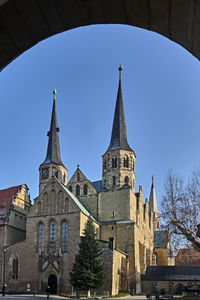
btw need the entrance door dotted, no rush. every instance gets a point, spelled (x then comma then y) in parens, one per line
(52, 282)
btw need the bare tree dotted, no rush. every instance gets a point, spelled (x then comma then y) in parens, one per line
(181, 209)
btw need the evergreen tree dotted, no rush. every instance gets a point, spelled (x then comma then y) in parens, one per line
(87, 272)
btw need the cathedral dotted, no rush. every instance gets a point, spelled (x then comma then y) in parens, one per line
(39, 241)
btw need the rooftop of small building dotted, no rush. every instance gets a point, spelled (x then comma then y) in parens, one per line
(97, 185)
(172, 273)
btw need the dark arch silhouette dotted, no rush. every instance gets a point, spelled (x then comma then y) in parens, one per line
(25, 23)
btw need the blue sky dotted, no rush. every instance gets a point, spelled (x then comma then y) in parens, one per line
(161, 91)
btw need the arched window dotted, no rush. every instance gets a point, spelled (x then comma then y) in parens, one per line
(78, 176)
(39, 207)
(85, 189)
(78, 190)
(114, 180)
(114, 162)
(41, 238)
(64, 241)
(126, 179)
(126, 162)
(53, 201)
(60, 201)
(15, 267)
(70, 188)
(52, 237)
(46, 204)
(66, 205)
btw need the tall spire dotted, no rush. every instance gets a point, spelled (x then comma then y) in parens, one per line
(119, 135)
(152, 199)
(53, 149)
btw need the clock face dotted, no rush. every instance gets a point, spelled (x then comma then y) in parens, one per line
(45, 173)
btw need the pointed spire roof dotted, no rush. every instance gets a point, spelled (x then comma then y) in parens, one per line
(53, 149)
(152, 199)
(119, 135)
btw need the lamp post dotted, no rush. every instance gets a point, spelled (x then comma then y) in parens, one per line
(6, 218)
(4, 265)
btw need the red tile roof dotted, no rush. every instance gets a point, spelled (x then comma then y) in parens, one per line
(188, 256)
(6, 197)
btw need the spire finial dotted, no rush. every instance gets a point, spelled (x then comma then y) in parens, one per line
(54, 94)
(152, 179)
(120, 72)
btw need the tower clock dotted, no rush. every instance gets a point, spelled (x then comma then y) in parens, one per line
(45, 173)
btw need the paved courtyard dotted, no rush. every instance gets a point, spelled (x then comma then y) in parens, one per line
(42, 297)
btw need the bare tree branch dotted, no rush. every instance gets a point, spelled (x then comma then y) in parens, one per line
(180, 209)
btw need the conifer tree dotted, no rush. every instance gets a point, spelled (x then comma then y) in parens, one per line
(87, 272)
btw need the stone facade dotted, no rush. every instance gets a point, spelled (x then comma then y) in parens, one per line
(124, 222)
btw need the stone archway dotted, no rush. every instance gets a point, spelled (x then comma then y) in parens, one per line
(52, 282)
(25, 23)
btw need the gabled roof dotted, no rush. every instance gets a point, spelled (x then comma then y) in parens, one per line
(78, 203)
(161, 239)
(97, 185)
(53, 149)
(119, 135)
(6, 197)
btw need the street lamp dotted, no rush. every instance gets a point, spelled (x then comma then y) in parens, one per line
(4, 264)
(6, 216)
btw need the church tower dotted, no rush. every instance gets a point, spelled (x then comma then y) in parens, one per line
(153, 207)
(52, 164)
(119, 159)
